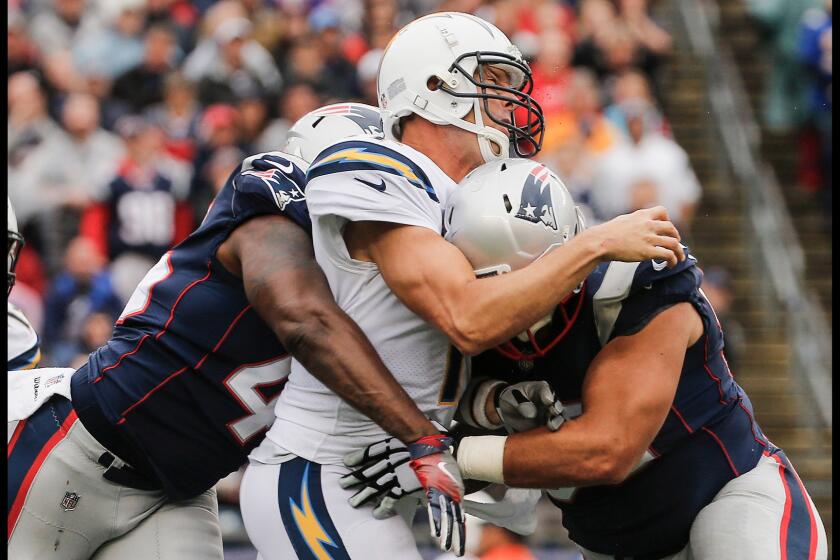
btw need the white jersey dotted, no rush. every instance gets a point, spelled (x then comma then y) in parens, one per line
(24, 350)
(383, 181)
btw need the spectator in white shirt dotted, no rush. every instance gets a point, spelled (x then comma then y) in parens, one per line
(648, 169)
(63, 174)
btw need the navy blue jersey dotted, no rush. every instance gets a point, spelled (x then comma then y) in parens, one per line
(191, 370)
(709, 436)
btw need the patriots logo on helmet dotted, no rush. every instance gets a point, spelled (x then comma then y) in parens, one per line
(536, 205)
(369, 120)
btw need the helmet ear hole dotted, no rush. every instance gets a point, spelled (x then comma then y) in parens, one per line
(433, 83)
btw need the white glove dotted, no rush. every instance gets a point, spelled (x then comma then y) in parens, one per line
(528, 405)
(516, 511)
(381, 476)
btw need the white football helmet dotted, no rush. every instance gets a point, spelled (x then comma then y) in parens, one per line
(503, 216)
(429, 69)
(15, 245)
(318, 129)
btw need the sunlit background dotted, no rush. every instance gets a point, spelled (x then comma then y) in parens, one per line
(719, 110)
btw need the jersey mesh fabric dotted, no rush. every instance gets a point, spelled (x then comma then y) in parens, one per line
(313, 422)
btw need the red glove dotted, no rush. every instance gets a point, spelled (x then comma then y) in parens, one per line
(437, 471)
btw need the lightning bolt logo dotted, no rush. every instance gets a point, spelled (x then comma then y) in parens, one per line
(307, 522)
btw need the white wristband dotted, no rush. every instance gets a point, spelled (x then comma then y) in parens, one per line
(482, 458)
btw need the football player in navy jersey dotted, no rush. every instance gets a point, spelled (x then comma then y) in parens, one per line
(654, 452)
(118, 459)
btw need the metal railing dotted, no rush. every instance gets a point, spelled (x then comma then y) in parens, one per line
(780, 256)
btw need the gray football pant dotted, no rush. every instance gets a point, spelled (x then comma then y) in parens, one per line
(763, 514)
(107, 521)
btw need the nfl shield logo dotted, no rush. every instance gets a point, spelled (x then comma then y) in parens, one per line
(71, 499)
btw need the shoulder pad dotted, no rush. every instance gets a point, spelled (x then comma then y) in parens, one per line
(363, 155)
(612, 283)
(652, 271)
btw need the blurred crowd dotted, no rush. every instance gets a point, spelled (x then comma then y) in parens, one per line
(797, 98)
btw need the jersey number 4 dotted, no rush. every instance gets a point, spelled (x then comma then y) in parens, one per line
(256, 387)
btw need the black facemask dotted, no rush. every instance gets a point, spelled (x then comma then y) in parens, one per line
(526, 130)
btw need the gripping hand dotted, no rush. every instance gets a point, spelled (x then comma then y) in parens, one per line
(381, 475)
(528, 405)
(387, 470)
(437, 471)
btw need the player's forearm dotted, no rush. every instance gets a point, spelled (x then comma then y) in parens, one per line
(575, 455)
(333, 349)
(490, 311)
(290, 293)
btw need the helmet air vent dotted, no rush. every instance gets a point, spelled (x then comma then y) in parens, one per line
(508, 205)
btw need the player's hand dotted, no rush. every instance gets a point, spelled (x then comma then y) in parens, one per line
(381, 475)
(644, 234)
(437, 471)
(528, 405)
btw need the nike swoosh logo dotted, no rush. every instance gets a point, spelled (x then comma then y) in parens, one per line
(658, 266)
(442, 467)
(378, 186)
(284, 168)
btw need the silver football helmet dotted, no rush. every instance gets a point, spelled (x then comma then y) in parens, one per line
(508, 213)
(318, 129)
(15, 245)
(505, 215)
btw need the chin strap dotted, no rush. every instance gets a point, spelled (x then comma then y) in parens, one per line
(485, 136)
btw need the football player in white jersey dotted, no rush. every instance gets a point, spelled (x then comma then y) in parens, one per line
(24, 349)
(454, 92)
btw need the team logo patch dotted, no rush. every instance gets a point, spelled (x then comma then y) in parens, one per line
(53, 380)
(536, 205)
(284, 197)
(70, 501)
(283, 190)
